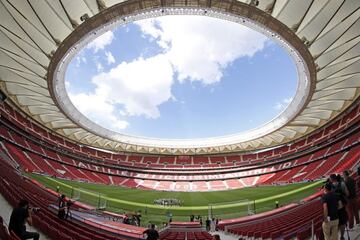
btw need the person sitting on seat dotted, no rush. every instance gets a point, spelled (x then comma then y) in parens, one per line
(19, 216)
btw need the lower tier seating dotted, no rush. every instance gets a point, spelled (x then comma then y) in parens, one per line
(284, 225)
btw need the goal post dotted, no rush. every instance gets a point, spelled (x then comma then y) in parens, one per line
(232, 209)
(102, 202)
(98, 200)
(75, 194)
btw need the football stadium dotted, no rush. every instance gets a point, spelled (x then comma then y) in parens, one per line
(179, 119)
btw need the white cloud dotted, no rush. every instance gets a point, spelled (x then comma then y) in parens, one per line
(201, 52)
(99, 66)
(101, 42)
(141, 86)
(109, 58)
(98, 109)
(80, 60)
(283, 104)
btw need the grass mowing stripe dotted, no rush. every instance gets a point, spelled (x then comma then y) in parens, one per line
(274, 197)
(96, 195)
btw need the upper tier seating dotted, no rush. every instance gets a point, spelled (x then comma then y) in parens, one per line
(58, 165)
(54, 156)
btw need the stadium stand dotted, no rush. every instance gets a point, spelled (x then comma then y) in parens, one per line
(286, 223)
(184, 161)
(53, 162)
(185, 230)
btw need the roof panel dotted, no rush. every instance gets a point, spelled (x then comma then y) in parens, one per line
(331, 55)
(33, 52)
(8, 23)
(279, 6)
(346, 10)
(333, 37)
(76, 9)
(335, 68)
(294, 12)
(24, 8)
(92, 5)
(28, 64)
(328, 82)
(320, 20)
(7, 45)
(41, 39)
(316, 7)
(55, 24)
(7, 62)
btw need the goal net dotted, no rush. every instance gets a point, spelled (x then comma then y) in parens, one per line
(232, 209)
(75, 194)
(95, 199)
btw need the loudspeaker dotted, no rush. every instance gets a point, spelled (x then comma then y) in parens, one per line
(2, 96)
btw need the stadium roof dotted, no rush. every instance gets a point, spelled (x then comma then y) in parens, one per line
(37, 39)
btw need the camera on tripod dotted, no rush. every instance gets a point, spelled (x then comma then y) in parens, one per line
(69, 203)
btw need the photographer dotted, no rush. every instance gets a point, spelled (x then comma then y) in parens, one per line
(18, 219)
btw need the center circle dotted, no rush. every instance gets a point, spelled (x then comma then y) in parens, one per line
(181, 81)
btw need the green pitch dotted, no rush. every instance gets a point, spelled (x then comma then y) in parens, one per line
(225, 204)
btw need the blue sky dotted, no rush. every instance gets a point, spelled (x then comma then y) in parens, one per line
(181, 77)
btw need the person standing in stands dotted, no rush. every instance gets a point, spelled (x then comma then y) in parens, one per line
(212, 225)
(330, 202)
(62, 207)
(342, 192)
(151, 233)
(18, 219)
(207, 224)
(351, 207)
